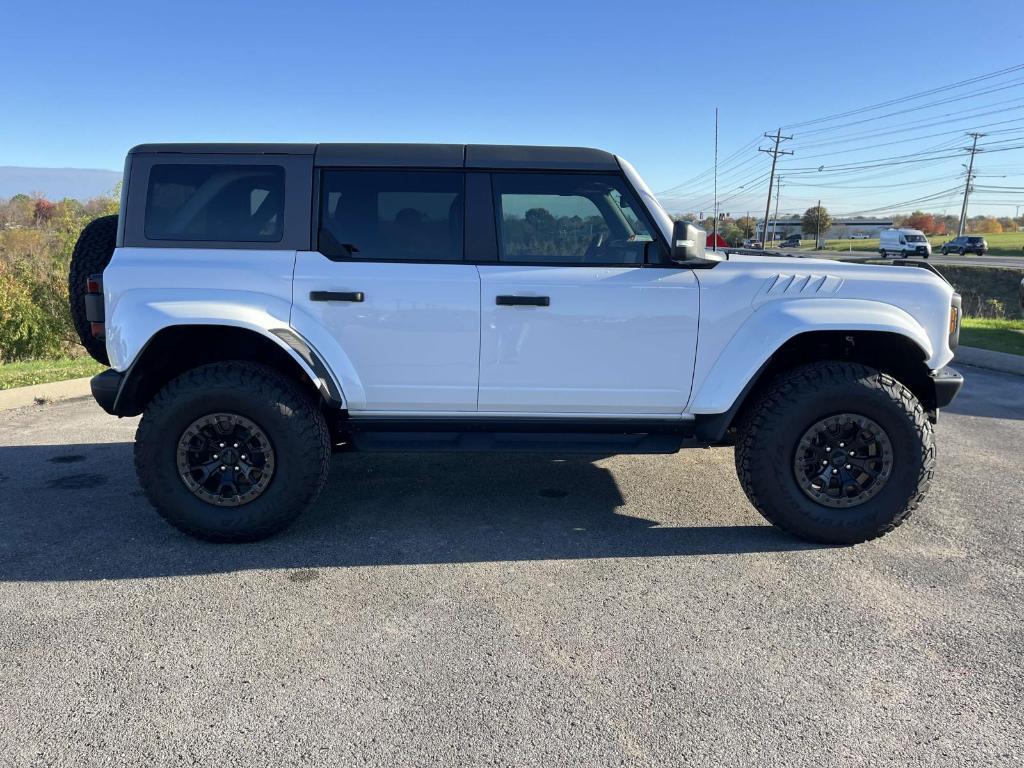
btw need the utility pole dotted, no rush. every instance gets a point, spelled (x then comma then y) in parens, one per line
(967, 186)
(714, 229)
(778, 194)
(774, 152)
(817, 224)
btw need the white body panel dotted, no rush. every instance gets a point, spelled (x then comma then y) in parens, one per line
(413, 344)
(614, 340)
(751, 305)
(149, 289)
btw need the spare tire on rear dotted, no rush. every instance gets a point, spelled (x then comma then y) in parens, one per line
(92, 253)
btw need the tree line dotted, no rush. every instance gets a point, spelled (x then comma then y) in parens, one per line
(37, 237)
(735, 231)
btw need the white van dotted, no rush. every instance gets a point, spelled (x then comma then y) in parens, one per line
(903, 243)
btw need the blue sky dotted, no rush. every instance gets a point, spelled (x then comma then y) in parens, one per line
(80, 85)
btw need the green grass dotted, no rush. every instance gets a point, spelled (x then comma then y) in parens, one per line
(997, 335)
(43, 371)
(1001, 244)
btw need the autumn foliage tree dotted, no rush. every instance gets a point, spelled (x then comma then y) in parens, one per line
(922, 221)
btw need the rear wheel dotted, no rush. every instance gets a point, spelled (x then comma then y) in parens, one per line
(93, 250)
(232, 452)
(837, 453)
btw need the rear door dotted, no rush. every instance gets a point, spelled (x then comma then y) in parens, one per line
(387, 298)
(574, 321)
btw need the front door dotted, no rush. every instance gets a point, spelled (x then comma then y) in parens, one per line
(388, 300)
(572, 319)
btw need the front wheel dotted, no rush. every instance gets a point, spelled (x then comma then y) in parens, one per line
(232, 452)
(837, 453)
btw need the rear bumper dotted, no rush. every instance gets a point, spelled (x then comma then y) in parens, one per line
(105, 387)
(948, 382)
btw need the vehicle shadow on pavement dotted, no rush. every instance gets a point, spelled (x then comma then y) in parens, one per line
(73, 512)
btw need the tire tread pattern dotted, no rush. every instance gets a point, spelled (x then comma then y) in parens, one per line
(784, 393)
(313, 455)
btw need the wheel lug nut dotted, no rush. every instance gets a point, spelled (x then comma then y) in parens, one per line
(828, 447)
(835, 471)
(824, 463)
(236, 445)
(841, 445)
(222, 468)
(216, 456)
(243, 457)
(847, 466)
(236, 469)
(222, 445)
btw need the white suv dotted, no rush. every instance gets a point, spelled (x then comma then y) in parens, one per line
(263, 305)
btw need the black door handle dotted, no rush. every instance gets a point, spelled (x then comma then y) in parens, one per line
(336, 296)
(523, 301)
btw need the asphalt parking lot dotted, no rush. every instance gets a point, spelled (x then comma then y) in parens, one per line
(509, 610)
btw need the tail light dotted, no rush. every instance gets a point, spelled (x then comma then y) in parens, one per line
(94, 310)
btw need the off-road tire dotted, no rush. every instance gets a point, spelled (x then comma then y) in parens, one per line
(290, 419)
(92, 253)
(771, 429)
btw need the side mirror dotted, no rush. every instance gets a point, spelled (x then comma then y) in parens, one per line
(689, 245)
(688, 241)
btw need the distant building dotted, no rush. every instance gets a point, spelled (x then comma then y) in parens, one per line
(840, 229)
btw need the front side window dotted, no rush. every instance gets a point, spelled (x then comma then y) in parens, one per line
(916, 238)
(215, 203)
(392, 215)
(586, 219)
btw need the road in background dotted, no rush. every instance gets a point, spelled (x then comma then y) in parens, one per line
(513, 610)
(952, 260)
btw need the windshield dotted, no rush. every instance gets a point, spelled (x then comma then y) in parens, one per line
(660, 216)
(916, 239)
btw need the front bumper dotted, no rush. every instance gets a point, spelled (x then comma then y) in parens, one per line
(105, 387)
(948, 382)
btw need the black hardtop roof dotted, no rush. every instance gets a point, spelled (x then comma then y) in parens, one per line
(497, 156)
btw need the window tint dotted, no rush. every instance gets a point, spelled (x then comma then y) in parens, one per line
(392, 215)
(215, 203)
(568, 218)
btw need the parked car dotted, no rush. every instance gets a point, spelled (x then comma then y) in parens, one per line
(903, 243)
(859, 236)
(966, 244)
(748, 243)
(793, 241)
(264, 305)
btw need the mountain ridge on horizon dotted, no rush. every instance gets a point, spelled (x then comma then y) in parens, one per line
(57, 183)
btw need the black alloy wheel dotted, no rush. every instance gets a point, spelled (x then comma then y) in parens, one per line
(843, 460)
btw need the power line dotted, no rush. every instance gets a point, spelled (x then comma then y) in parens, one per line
(922, 94)
(917, 108)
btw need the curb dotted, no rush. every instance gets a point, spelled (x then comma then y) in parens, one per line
(40, 394)
(993, 361)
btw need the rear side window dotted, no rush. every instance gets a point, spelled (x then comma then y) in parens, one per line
(584, 219)
(392, 215)
(215, 203)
